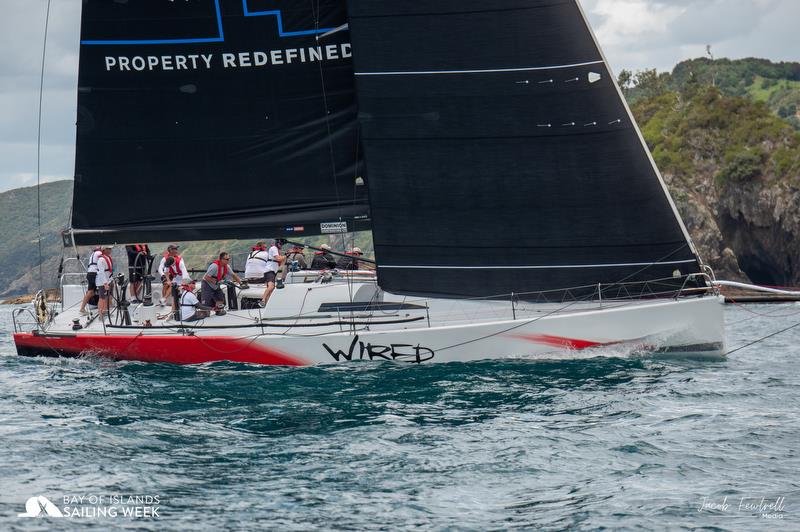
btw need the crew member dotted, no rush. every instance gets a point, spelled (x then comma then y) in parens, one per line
(323, 259)
(256, 265)
(171, 274)
(191, 309)
(138, 255)
(275, 259)
(351, 261)
(91, 277)
(104, 280)
(295, 261)
(210, 292)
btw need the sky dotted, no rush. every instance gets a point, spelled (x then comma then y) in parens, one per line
(635, 34)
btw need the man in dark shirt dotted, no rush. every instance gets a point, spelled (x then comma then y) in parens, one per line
(138, 256)
(323, 260)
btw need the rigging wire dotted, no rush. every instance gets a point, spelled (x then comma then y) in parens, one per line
(39, 151)
(754, 342)
(315, 11)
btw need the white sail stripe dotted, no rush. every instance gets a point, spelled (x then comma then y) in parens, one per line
(484, 71)
(563, 266)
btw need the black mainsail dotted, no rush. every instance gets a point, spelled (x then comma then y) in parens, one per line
(215, 119)
(502, 156)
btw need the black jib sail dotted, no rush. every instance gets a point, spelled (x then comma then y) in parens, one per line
(502, 157)
(215, 119)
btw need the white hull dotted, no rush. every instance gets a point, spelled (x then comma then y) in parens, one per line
(298, 329)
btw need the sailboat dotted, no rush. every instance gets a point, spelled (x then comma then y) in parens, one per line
(515, 208)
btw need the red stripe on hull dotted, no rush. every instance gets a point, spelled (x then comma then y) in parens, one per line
(171, 349)
(562, 342)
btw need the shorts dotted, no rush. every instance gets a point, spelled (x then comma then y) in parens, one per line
(211, 296)
(269, 277)
(91, 277)
(102, 292)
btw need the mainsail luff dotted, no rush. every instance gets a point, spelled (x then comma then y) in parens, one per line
(501, 129)
(209, 119)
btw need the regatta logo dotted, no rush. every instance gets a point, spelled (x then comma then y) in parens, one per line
(95, 506)
(37, 506)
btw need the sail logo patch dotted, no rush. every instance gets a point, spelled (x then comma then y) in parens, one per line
(333, 227)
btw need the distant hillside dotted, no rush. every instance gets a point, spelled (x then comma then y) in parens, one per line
(775, 84)
(19, 254)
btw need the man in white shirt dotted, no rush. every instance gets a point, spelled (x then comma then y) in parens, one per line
(91, 279)
(191, 309)
(274, 260)
(171, 274)
(104, 279)
(256, 265)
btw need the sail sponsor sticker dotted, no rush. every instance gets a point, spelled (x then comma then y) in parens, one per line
(294, 229)
(333, 227)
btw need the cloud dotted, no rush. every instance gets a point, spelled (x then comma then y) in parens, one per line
(638, 34)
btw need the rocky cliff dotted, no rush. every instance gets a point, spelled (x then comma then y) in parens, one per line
(733, 168)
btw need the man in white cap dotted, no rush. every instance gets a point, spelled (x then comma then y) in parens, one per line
(351, 261)
(323, 260)
(104, 280)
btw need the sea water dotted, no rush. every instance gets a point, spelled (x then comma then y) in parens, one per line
(619, 442)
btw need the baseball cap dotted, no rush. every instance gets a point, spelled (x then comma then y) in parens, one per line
(172, 246)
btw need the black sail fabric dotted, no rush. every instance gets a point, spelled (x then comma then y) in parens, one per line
(215, 119)
(502, 158)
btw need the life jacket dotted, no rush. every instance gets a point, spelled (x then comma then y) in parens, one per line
(175, 269)
(183, 299)
(109, 262)
(222, 271)
(94, 256)
(256, 251)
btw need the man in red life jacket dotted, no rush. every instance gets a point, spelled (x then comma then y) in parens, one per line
(138, 255)
(105, 278)
(172, 270)
(351, 261)
(210, 292)
(323, 259)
